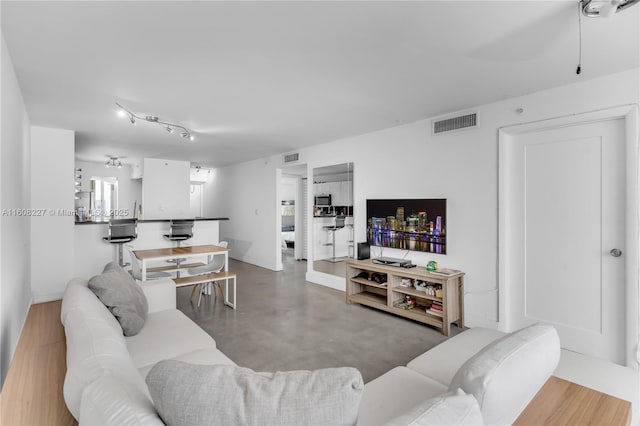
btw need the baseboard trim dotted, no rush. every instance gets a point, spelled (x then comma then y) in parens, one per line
(46, 297)
(327, 280)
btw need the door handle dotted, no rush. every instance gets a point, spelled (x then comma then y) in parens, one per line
(615, 252)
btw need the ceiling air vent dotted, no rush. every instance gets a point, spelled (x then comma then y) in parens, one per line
(455, 123)
(290, 158)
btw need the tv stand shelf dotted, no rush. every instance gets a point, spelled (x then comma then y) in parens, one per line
(387, 296)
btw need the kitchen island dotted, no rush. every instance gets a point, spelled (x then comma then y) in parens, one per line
(92, 253)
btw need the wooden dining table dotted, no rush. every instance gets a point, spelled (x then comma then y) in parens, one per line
(184, 252)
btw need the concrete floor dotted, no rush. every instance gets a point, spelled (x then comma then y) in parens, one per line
(285, 323)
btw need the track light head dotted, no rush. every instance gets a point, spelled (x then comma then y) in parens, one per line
(113, 162)
(168, 126)
(604, 8)
(187, 135)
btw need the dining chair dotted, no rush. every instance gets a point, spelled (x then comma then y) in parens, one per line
(215, 265)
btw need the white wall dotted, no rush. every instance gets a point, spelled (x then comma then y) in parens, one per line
(165, 189)
(246, 194)
(15, 286)
(461, 167)
(129, 190)
(52, 185)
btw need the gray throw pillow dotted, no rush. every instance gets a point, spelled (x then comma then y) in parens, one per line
(187, 394)
(124, 298)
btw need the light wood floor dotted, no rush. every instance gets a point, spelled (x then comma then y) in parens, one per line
(32, 392)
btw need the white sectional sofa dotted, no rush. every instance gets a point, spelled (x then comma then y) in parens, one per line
(105, 379)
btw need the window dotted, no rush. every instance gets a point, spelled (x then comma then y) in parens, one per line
(104, 201)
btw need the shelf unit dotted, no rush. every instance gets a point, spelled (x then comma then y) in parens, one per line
(389, 295)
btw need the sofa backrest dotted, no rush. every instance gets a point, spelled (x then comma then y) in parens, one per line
(95, 347)
(506, 374)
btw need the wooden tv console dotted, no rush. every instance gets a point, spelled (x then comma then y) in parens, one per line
(390, 295)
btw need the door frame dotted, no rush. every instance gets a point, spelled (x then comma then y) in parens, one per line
(506, 279)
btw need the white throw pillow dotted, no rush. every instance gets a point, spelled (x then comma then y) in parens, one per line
(506, 374)
(188, 394)
(122, 296)
(453, 408)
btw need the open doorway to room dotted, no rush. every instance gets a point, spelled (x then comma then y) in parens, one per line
(293, 214)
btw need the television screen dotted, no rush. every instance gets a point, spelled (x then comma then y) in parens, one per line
(410, 224)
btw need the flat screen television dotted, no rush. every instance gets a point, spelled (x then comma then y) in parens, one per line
(408, 224)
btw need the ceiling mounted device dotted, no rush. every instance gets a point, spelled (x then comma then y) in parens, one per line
(168, 126)
(605, 8)
(113, 162)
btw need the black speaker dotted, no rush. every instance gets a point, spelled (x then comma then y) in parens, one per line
(363, 251)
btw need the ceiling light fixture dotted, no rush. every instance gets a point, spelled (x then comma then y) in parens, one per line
(113, 162)
(604, 8)
(169, 127)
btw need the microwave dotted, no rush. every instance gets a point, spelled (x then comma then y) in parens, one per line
(323, 200)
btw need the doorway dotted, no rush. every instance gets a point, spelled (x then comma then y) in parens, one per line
(566, 248)
(292, 214)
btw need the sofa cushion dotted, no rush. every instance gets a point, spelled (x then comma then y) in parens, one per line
(207, 356)
(94, 349)
(394, 393)
(160, 294)
(124, 298)
(453, 408)
(165, 335)
(188, 394)
(109, 401)
(443, 361)
(507, 373)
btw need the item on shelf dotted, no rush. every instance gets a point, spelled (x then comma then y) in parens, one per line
(409, 301)
(406, 283)
(363, 274)
(434, 312)
(432, 265)
(439, 292)
(421, 286)
(379, 277)
(430, 290)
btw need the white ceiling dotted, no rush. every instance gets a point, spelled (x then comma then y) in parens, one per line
(253, 79)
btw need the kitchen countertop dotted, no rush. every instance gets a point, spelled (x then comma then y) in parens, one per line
(150, 220)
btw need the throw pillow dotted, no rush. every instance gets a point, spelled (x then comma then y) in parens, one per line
(188, 394)
(124, 298)
(453, 408)
(506, 374)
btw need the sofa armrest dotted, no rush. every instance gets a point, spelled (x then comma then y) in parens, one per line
(161, 294)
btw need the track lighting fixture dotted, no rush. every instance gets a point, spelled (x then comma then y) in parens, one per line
(604, 8)
(169, 127)
(113, 162)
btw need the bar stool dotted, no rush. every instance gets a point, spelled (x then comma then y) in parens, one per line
(179, 230)
(339, 224)
(122, 231)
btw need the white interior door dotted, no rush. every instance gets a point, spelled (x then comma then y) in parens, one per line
(567, 189)
(195, 200)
